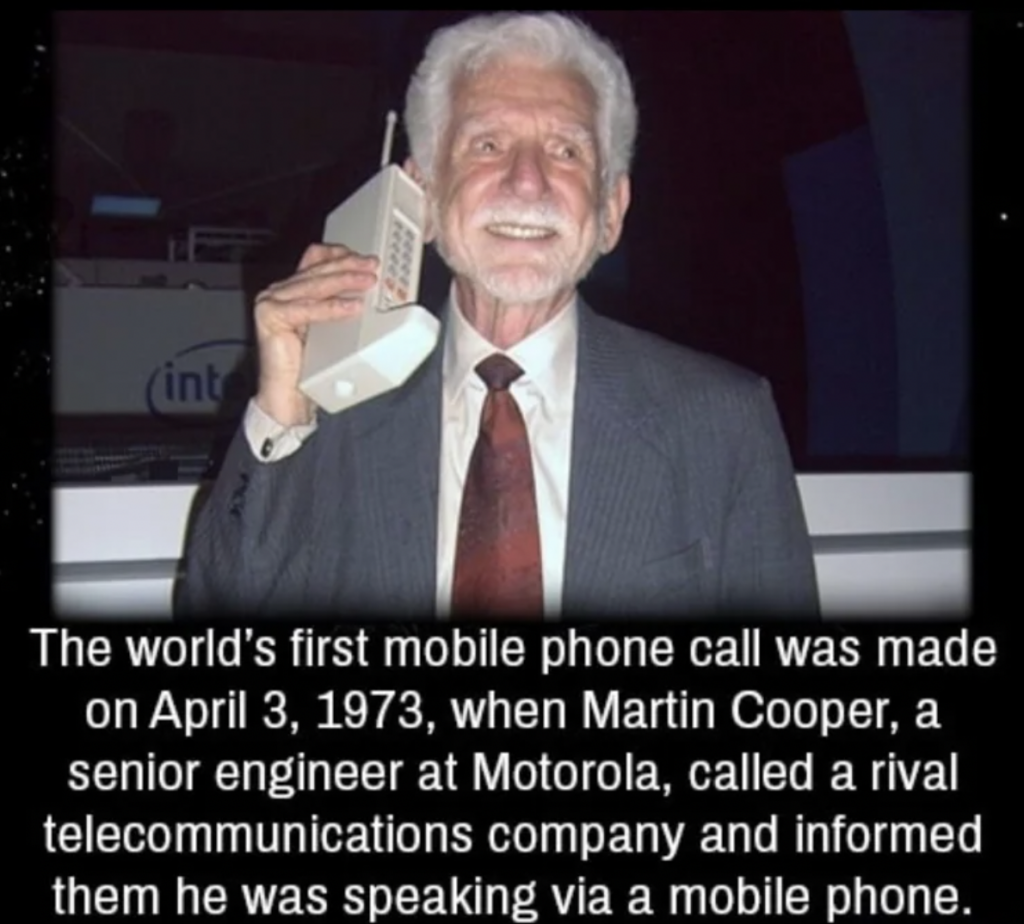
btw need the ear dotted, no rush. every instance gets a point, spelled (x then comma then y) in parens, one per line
(413, 169)
(419, 178)
(616, 206)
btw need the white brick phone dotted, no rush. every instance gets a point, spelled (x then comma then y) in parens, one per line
(354, 359)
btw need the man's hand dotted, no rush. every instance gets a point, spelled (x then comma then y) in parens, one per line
(331, 282)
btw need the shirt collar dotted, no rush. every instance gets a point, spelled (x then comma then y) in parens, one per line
(547, 357)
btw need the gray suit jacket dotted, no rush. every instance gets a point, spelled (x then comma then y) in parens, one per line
(682, 500)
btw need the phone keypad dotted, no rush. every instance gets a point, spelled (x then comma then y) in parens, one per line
(399, 268)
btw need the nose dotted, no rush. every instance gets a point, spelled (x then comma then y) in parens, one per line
(526, 177)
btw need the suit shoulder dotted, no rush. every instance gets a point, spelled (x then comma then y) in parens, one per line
(665, 364)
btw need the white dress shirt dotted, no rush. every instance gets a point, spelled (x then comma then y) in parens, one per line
(545, 394)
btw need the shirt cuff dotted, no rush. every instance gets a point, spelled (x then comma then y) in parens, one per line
(269, 440)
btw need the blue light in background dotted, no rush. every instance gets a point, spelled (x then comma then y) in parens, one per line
(126, 206)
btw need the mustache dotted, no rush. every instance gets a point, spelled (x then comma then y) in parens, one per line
(541, 215)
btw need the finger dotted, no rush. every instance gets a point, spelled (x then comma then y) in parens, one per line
(347, 264)
(325, 285)
(317, 255)
(350, 261)
(299, 314)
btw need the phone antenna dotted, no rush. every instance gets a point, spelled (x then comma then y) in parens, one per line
(389, 137)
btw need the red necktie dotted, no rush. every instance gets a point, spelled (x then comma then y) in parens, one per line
(497, 559)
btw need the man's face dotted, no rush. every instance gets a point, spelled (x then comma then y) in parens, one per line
(517, 201)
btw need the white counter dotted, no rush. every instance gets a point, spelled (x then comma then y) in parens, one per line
(884, 544)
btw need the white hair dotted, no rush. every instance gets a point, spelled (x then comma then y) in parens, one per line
(551, 38)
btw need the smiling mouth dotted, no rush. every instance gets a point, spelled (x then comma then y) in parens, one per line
(521, 232)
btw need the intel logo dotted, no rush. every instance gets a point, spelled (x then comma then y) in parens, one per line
(198, 379)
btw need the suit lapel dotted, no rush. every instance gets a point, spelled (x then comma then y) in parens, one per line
(617, 466)
(397, 445)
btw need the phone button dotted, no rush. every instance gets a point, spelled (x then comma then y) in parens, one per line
(343, 388)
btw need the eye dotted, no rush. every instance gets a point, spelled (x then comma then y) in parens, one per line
(485, 146)
(568, 151)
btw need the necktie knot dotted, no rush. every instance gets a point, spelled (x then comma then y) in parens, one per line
(498, 372)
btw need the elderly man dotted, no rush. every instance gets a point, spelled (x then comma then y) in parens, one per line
(545, 461)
